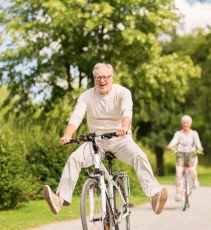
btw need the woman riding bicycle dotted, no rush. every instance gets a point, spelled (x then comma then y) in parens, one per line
(189, 139)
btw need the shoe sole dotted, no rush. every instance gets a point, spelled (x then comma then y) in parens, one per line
(162, 198)
(49, 199)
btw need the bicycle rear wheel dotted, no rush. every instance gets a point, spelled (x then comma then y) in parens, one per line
(120, 206)
(184, 191)
(91, 208)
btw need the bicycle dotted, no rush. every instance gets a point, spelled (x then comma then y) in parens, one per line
(186, 161)
(104, 205)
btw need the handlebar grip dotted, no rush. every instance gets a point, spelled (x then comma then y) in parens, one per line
(70, 142)
(114, 134)
(117, 135)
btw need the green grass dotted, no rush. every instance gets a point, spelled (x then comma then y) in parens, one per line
(37, 213)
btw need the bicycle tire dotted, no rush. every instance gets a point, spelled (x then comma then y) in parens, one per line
(125, 224)
(96, 223)
(188, 190)
(184, 192)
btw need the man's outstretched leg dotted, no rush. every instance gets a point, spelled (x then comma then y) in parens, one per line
(129, 152)
(78, 159)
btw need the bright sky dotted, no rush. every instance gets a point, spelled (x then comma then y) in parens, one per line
(192, 2)
(197, 14)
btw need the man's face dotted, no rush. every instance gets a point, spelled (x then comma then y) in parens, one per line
(104, 86)
(186, 124)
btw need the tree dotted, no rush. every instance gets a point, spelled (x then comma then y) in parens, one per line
(159, 88)
(50, 38)
(197, 101)
(53, 37)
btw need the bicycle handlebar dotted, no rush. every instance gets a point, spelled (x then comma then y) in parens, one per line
(90, 137)
(189, 153)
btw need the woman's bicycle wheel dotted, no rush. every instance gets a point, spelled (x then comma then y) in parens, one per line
(91, 208)
(184, 191)
(119, 206)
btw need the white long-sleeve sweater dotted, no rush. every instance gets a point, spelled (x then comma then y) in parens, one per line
(104, 112)
(181, 138)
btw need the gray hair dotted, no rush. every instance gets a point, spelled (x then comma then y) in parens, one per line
(186, 117)
(101, 65)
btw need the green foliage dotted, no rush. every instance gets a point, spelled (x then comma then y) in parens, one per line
(197, 100)
(16, 182)
(30, 154)
(162, 84)
(51, 38)
(122, 33)
(30, 158)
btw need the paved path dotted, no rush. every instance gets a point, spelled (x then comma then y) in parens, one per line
(197, 217)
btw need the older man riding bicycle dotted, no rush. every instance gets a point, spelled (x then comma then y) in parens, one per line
(109, 109)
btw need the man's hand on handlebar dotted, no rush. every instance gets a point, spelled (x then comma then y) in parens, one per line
(121, 131)
(64, 140)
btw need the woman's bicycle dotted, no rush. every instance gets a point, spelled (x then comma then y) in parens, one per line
(104, 204)
(186, 159)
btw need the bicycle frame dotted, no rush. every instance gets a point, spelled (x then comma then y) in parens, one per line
(102, 173)
(108, 201)
(186, 172)
(187, 161)
(111, 184)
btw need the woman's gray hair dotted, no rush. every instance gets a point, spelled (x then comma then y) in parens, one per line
(186, 117)
(101, 65)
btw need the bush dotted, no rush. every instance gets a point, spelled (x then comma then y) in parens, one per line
(16, 183)
(30, 157)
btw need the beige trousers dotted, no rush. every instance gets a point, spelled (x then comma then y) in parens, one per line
(179, 171)
(124, 148)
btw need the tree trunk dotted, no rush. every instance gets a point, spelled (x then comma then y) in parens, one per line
(70, 88)
(159, 161)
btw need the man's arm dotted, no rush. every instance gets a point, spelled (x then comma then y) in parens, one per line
(126, 121)
(68, 134)
(75, 118)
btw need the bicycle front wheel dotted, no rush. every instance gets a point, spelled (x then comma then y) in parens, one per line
(184, 192)
(92, 215)
(120, 209)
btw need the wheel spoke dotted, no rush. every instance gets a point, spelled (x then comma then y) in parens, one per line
(120, 208)
(91, 208)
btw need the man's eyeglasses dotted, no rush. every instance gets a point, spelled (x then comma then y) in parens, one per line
(105, 78)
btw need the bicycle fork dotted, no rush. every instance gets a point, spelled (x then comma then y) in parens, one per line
(92, 203)
(186, 188)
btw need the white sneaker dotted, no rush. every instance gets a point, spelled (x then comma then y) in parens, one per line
(178, 197)
(158, 200)
(196, 184)
(54, 201)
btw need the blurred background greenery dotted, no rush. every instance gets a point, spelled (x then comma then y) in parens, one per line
(48, 63)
